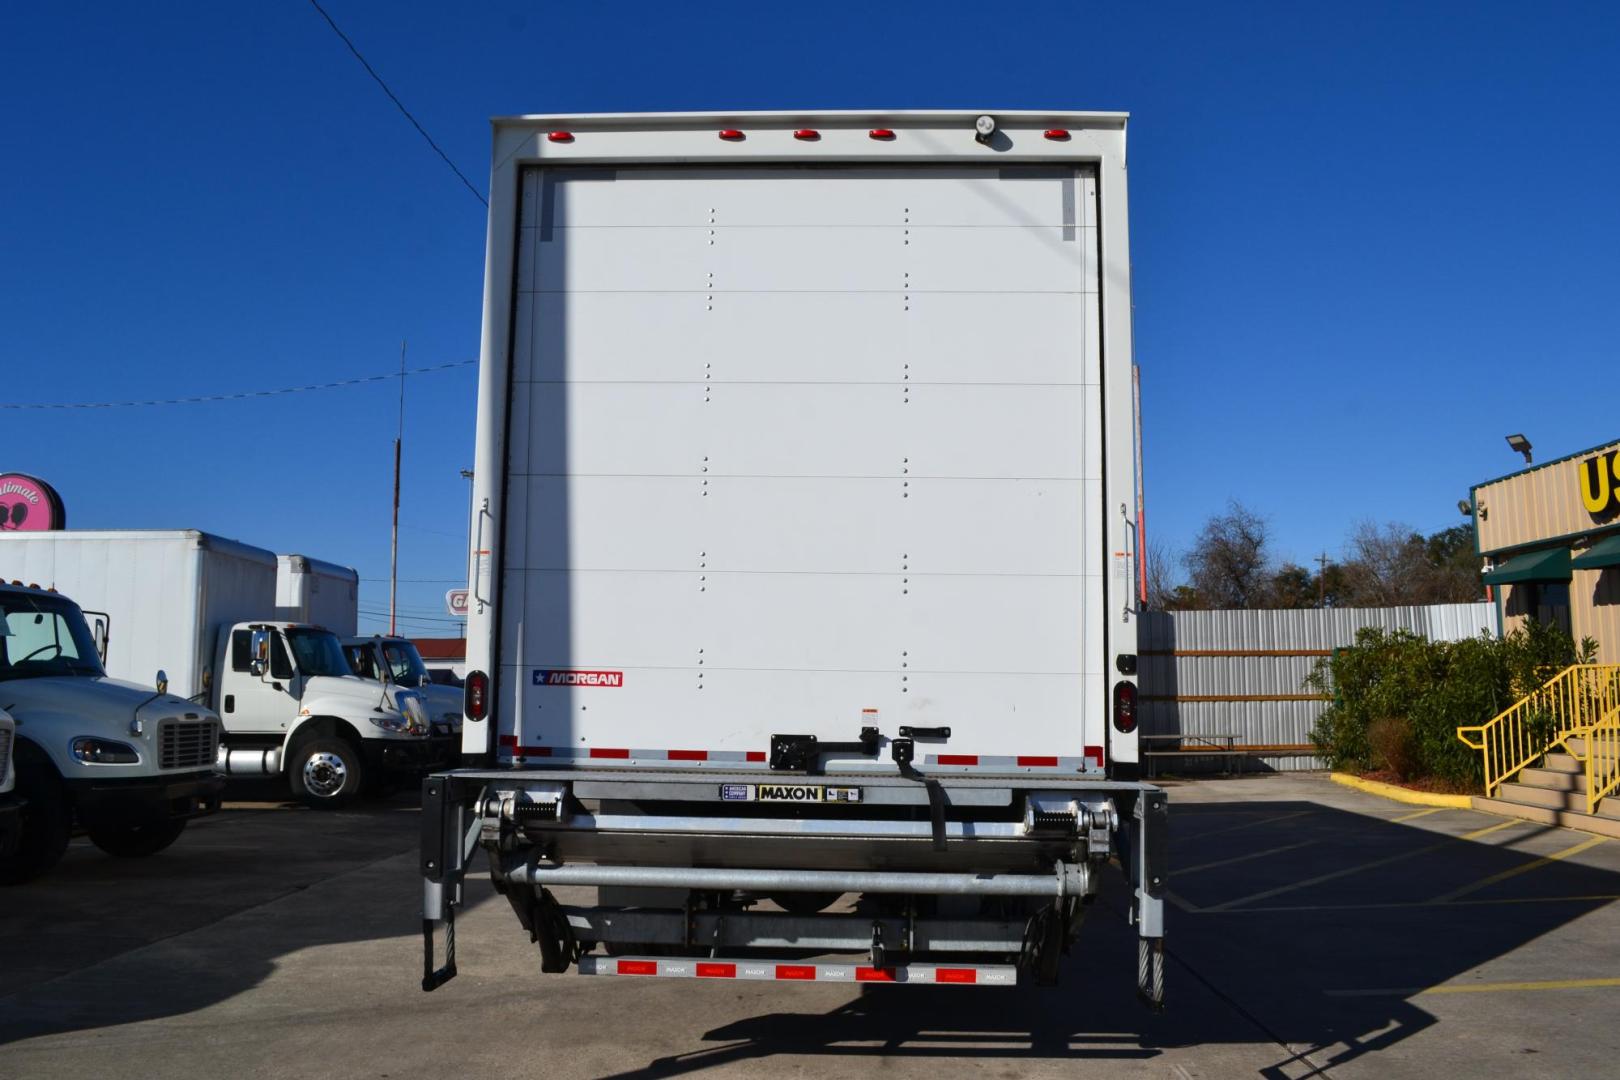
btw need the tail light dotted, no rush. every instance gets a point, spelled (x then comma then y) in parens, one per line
(880, 133)
(561, 136)
(1057, 134)
(1125, 707)
(475, 698)
(807, 134)
(731, 135)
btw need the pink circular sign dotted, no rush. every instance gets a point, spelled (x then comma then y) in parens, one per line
(29, 504)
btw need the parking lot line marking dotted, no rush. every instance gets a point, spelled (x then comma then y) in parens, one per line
(1245, 825)
(1362, 867)
(1242, 858)
(1394, 905)
(1479, 988)
(1524, 868)
(1418, 814)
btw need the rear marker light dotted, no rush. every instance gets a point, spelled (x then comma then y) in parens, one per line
(475, 698)
(561, 136)
(807, 134)
(1057, 134)
(880, 133)
(1124, 707)
(731, 135)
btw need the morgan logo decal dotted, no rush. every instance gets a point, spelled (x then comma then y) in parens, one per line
(568, 677)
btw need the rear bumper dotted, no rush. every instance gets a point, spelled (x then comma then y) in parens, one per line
(147, 798)
(409, 756)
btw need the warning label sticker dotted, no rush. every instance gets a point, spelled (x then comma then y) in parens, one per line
(570, 677)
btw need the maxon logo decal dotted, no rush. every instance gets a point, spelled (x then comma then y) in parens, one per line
(569, 677)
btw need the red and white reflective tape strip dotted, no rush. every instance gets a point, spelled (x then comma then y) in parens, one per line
(1092, 761)
(510, 745)
(773, 971)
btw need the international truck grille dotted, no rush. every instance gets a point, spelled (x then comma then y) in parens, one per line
(187, 744)
(5, 751)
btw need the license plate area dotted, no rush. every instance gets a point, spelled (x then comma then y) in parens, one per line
(819, 794)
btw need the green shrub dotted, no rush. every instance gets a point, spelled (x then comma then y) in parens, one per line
(1398, 692)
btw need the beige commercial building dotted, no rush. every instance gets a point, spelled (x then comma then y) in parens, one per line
(1550, 538)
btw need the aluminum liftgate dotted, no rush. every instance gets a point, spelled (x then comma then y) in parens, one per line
(525, 820)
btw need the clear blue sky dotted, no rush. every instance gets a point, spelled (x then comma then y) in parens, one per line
(1369, 239)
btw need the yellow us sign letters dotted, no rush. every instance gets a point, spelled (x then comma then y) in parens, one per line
(1600, 483)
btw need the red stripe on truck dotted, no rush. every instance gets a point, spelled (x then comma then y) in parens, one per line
(717, 971)
(1095, 753)
(955, 975)
(689, 755)
(1029, 761)
(796, 971)
(872, 974)
(756, 755)
(638, 967)
(608, 752)
(959, 759)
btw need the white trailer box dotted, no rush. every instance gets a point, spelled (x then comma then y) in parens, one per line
(178, 587)
(322, 593)
(805, 449)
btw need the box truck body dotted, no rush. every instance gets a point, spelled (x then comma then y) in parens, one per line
(805, 512)
(166, 592)
(322, 593)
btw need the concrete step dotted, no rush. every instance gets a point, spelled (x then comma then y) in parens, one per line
(1605, 826)
(1577, 746)
(1555, 779)
(1551, 799)
(1565, 763)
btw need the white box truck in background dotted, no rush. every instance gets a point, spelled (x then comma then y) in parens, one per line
(804, 518)
(321, 593)
(197, 606)
(130, 763)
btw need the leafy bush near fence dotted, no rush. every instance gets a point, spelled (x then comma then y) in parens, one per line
(1398, 698)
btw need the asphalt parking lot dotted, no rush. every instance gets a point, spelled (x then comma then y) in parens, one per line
(1316, 931)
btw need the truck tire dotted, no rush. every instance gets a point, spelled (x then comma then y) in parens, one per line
(326, 773)
(47, 819)
(136, 841)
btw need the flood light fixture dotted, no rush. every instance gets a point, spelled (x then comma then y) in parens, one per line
(1519, 444)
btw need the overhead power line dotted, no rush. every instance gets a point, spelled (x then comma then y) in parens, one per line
(231, 397)
(399, 104)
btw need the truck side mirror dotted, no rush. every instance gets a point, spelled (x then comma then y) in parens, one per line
(98, 634)
(261, 653)
(162, 682)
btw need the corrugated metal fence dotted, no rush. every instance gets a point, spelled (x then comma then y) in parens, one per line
(1239, 676)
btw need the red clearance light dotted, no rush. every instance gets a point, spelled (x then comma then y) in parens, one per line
(476, 695)
(1124, 707)
(1059, 134)
(731, 135)
(807, 134)
(561, 136)
(880, 133)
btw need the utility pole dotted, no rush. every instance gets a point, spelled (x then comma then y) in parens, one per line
(1321, 580)
(393, 553)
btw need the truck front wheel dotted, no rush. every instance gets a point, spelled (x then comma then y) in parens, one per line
(326, 773)
(136, 841)
(47, 819)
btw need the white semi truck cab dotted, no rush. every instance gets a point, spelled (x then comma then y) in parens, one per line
(131, 764)
(291, 703)
(383, 658)
(802, 618)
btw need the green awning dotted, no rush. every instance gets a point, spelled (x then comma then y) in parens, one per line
(1551, 565)
(1603, 553)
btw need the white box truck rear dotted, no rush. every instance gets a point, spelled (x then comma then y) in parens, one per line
(804, 519)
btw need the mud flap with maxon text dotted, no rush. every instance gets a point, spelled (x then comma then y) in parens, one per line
(914, 926)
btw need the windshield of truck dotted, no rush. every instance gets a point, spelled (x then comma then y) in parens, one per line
(405, 663)
(44, 636)
(318, 652)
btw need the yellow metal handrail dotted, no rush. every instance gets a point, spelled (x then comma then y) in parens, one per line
(1570, 703)
(1602, 747)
